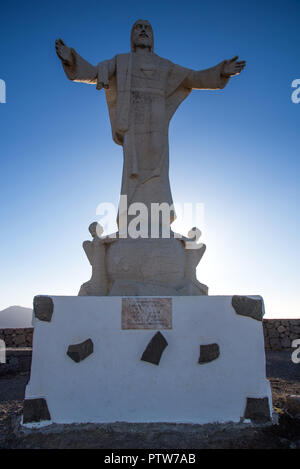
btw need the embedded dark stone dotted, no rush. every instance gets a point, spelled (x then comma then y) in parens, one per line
(79, 352)
(208, 353)
(43, 308)
(257, 410)
(249, 307)
(154, 349)
(35, 410)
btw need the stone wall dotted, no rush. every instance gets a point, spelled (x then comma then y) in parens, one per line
(17, 360)
(279, 334)
(17, 338)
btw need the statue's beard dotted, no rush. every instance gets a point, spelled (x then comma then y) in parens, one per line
(143, 41)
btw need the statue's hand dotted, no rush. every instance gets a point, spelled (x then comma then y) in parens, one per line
(231, 67)
(63, 51)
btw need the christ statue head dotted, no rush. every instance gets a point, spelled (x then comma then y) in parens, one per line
(142, 35)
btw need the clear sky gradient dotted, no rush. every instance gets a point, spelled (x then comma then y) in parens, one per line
(236, 150)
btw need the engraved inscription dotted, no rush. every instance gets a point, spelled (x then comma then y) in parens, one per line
(146, 313)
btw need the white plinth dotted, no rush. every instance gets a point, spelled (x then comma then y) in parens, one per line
(113, 384)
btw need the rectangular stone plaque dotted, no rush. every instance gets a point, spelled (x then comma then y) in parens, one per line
(146, 313)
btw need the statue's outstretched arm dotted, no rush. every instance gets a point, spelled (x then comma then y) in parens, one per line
(215, 77)
(78, 69)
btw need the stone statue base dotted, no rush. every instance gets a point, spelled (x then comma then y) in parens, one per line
(138, 267)
(165, 359)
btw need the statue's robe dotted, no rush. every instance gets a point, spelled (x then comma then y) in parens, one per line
(142, 96)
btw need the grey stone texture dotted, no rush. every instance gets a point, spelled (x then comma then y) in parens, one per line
(246, 306)
(17, 338)
(257, 410)
(79, 352)
(43, 308)
(280, 333)
(154, 349)
(208, 353)
(35, 410)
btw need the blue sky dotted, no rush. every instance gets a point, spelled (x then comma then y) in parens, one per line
(235, 150)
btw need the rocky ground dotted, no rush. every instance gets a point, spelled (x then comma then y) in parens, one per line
(285, 380)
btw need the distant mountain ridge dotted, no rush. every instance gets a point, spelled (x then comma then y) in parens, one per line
(15, 317)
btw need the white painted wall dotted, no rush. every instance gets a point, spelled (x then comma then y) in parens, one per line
(113, 384)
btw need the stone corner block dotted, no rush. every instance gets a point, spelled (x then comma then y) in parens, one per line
(257, 409)
(43, 307)
(35, 410)
(249, 307)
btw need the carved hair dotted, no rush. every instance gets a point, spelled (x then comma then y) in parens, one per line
(131, 35)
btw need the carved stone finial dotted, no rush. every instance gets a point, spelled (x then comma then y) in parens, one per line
(96, 229)
(96, 254)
